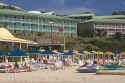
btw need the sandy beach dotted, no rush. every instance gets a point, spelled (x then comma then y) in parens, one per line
(68, 75)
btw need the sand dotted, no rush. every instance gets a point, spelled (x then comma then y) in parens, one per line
(68, 75)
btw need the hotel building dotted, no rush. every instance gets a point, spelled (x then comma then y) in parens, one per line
(109, 24)
(37, 26)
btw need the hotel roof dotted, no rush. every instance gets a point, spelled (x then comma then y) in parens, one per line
(78, 15)
(107, 20)
(110, 17)
(26, 13)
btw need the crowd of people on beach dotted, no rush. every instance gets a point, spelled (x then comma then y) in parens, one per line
(55, 63)
(29, 64)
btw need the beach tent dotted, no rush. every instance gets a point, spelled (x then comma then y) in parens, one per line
(17, 52)
(2, 54)
(6, 36)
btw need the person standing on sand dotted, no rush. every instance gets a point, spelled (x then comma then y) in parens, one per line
(16, 67)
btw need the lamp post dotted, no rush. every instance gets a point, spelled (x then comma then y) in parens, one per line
(63, 34)
(51, 26)
(64, 38)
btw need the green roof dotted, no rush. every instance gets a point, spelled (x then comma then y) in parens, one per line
(25, 13)
(108, 20)
(109, 17)
(78, 15)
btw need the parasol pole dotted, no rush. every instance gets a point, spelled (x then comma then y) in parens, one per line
(21, 56)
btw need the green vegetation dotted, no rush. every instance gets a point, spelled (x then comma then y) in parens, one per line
(118, 13)
(10, 7)
(98, 44)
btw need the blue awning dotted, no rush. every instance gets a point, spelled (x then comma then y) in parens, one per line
(17, 52)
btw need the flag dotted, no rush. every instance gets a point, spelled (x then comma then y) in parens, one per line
(61, 29)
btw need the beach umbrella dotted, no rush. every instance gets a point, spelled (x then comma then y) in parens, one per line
(117, 54)
(55, 51)
(68, 52)
(100, 54)
(108, 53)
(81, 51)
(61, 51)
(75, 51)
(78, 52)
(42, 50)
(122, 53)
(47, 52)
(35, 51)
(93, 54)
(86, 52)
(65, 51)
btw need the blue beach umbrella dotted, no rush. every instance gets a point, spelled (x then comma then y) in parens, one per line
(47, 52)
(80, 51)
(35, 51)
(116, 53)
(70, 52)
(61, 51)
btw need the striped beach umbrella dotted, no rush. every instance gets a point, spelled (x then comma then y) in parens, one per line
(122, 53)
(108, 53)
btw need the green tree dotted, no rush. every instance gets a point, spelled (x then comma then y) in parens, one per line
(118, 13)
(117, 35)
(100, 33)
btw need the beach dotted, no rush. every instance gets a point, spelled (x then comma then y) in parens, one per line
(69, 75)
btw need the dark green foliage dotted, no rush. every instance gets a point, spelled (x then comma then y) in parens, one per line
(117, 36)
(100, 33)
(98, 44)
(118, 13)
